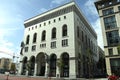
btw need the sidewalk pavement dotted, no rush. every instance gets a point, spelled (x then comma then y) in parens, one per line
(20, 77)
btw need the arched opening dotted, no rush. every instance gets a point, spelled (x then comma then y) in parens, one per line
(53, 33)
(34, 37)
(40, 60)
(32, 66)
(27, 39)
(65, 67)
(53, 59)
(43, 36)
(23, 72)
(64, 30)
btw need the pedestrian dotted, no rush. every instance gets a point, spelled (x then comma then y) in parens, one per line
(113, 77)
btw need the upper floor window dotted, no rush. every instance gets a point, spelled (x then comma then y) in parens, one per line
(119, 8)
(118, 0)
(112, 38)
(27, 39)
(53, 33)
(65, 42)
(108, 11)
(34, 37)
(64, 30)
(110, 22)
(43, 35)
(118, 49)
(78, 35)
(33, 47)
(110, 51)
(26, 49)
(53, 44)
(64, 17)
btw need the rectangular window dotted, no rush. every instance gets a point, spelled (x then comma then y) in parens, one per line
(53, 44)
(65, 42)
(33, 47)
(118, 49)
(26, 49)
(108, 11)
(110, 22)
(110, 52)
(119, 8)
(43, 45)
(112, 38)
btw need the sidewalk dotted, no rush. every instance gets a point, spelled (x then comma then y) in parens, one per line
(20, 77)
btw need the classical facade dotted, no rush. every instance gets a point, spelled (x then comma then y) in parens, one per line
(109, 12)
(61, 35)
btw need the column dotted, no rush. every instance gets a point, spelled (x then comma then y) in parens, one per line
(46, 70)
(35, 69)
(72, 70)
(20, 68)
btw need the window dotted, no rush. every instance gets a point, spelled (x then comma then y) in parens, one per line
(26, 49)
(110, 22)
(36, 27)
(53, 33)
(29, 29)
(32, 28)
(59, 19)
(119, 8)
(43, 35)
(112, 38)
(64, 17)
(33, 47)
(118, 49)
(40, 25)
(27, 39)
(53, 44)
(43, 45)
(34, 37)
(44, 24)
(118, 0)
(54, 21)
(65, 42)
(49, 22)
(110, 52)
(108, 11)
(78, 35)
(64, 30)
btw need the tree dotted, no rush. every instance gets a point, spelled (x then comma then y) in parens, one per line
(13, 68)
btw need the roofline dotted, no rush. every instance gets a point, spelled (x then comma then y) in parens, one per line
(48, 11)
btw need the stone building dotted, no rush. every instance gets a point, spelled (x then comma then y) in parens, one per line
(5, 63)
(109, 13)
(61, 34)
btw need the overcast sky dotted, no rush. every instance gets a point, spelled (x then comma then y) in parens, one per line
(13, 13)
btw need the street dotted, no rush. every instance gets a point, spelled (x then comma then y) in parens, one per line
(15, 77)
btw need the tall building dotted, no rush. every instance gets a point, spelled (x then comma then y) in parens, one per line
(61, 35)
(109, 13)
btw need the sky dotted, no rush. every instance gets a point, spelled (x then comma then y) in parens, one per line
(13, 13)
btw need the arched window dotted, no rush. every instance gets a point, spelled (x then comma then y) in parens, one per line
(34, 37)
(27, 39)
(65, 67)
(64, 30)
(43, 35)
(53, 33)
(53, 59)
